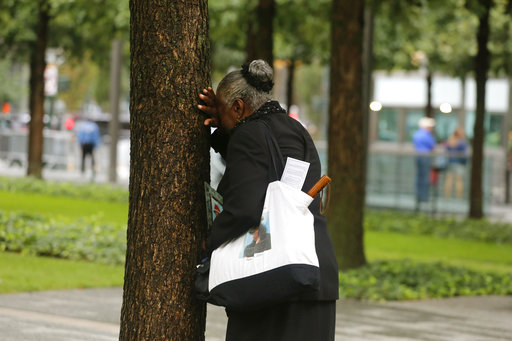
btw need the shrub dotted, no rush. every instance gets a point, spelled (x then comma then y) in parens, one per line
(102, 192)
(408, 280)
(84, 239)
(407, 223)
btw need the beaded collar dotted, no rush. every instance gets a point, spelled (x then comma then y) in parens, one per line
(269, 108)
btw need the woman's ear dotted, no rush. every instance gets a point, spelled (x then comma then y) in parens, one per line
(239, 108)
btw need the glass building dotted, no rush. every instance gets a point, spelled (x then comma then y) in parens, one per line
(399, 101)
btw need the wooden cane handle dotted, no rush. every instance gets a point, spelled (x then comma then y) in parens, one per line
(324, 180)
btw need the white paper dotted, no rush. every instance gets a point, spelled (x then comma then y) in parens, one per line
(295, 172)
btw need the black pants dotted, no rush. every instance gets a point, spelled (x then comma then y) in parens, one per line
(87, 149)
(294, 321)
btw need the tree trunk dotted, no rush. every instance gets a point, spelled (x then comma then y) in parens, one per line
(481, 68)
(462, 111)
(289, 84)
(508, 152)
(36, 96)
(367, 93)
(508, 116)
(260, 42)
(169, 162)
(347, 156)
(428, 107)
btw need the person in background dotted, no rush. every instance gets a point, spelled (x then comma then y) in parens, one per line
(88, 136)
(456, 148)
(424, 143)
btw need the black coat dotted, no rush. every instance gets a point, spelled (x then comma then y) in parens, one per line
(248, 173)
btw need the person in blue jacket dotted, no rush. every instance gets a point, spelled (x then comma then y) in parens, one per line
(88, 136)
(424, 143)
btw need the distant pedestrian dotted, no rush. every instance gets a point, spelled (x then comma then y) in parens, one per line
(424, 144)
(88, 136)
(456, 147)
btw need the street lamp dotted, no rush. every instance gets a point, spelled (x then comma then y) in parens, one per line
(375, 106)
(445, 108)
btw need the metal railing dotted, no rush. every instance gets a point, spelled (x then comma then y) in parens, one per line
(58, 147)
(391, 182)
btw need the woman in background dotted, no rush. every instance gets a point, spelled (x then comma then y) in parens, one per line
(456, 148)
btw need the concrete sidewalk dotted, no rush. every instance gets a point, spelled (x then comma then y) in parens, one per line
(93, 315)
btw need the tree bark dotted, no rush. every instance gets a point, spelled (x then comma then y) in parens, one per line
(347, 155)
(260, 41)
(508, 116)
(170, 65)
(289, 84)
(36, 96)
(367, 93)
(481, 68)
(462, 111)
(428, 108)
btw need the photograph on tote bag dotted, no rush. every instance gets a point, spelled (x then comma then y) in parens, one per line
(257, 240)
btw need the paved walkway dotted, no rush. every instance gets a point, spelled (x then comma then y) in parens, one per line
(93, 315)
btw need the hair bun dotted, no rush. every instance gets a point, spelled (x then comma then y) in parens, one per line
(261, 70)
(259, 74)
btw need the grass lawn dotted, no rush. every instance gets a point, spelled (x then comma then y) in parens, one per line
(471, 254)
(111, 212)
(20, 273)
(29, 273)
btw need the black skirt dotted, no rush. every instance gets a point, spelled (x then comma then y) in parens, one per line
(294, 321)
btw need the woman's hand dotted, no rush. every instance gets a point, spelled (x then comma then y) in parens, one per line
(210, 107)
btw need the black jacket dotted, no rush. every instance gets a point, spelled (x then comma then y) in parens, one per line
(248, 174)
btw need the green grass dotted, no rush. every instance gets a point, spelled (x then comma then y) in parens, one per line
(29, 273)
(472, 254)
(111, 212)
(20, 273)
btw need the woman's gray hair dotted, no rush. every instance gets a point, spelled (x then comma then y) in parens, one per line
(234, 85)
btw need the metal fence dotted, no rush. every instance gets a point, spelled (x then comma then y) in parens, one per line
(390, 182)
(58, 148)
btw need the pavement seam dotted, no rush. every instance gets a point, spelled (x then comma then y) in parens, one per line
(61, 320)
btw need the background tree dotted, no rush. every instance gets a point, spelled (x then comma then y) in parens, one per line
(260, 32)
(169, 163)
(347, 156)
(301, 36)
(10, 87)
(500, 38)
(434, 36)
(36, 97)
(447, 41)
(482, 9)
(396, 30)
(501, 65)
(75, 26)
(228, 35)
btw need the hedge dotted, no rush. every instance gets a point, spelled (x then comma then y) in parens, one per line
(408, 280)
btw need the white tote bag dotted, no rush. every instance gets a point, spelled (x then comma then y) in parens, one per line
(273, 262)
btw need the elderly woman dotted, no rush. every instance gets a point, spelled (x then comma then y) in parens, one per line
(238, 109)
